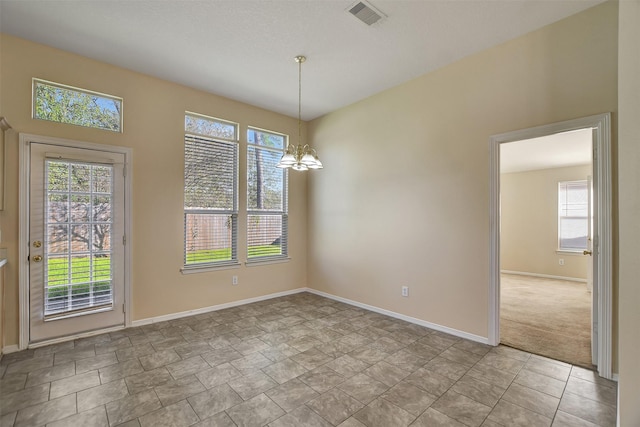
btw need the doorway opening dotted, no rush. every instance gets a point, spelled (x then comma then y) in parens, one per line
(545, 246)
(601, 243)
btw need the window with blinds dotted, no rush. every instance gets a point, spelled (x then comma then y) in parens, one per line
(210, 192)
(266, 196)
(573, 215)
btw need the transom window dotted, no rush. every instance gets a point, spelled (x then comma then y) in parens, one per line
(65, 104)
(267, 202)
(573, 215)
(210, 192)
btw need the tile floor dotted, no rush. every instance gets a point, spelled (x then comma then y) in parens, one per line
(300, 360)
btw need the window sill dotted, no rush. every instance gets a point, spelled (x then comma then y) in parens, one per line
(266, 261)
(206, 268)
(568, 252)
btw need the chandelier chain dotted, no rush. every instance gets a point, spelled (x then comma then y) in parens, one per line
(300, 102)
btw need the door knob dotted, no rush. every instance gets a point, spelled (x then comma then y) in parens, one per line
(37, 258)
(586, 252)
(37, 244)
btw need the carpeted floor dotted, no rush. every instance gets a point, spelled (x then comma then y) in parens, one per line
(547, 317)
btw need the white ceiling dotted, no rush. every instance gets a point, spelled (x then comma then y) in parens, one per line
(553, 151)
(244, 49)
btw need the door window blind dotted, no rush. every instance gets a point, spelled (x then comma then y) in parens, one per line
(79, 223)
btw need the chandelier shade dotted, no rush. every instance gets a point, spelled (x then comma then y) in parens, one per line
(300, 157)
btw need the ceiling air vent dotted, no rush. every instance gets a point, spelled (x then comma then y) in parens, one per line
(366, 12)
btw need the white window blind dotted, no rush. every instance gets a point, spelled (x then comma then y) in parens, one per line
(267, 226)
(210, 192)
(573, 215)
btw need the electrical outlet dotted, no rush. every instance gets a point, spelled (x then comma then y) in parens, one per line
(561, 261)
(234, 280)
(405, 291)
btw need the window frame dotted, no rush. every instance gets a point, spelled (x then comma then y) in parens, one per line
(35, 81)
(560, 217)
(283, 213)
(233, 212)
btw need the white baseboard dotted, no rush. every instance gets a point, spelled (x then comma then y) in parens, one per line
(393, 314)
(13, 348)
(172, 316)
(546, 276)
(10, 349)
(409, 319)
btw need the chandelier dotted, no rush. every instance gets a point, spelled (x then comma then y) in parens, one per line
(300, 157)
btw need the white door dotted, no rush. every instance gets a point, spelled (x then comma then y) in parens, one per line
(76, 229)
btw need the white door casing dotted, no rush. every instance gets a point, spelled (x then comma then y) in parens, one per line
(63, 326)
(602, 233)
(590, 220)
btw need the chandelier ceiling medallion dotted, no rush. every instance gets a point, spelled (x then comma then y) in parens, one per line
(300, 157)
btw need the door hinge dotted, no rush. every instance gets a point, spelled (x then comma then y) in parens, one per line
(124, 239)
(123, 308)
(124, 171)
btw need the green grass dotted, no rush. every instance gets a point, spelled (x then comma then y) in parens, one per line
(265, 250)
(59, 280)
(99, 288)
(213, 255)
(58, 270)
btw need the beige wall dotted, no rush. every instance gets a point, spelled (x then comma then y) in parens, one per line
(154, 128)
(629, 196)
(404, 196)
(529, 222)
